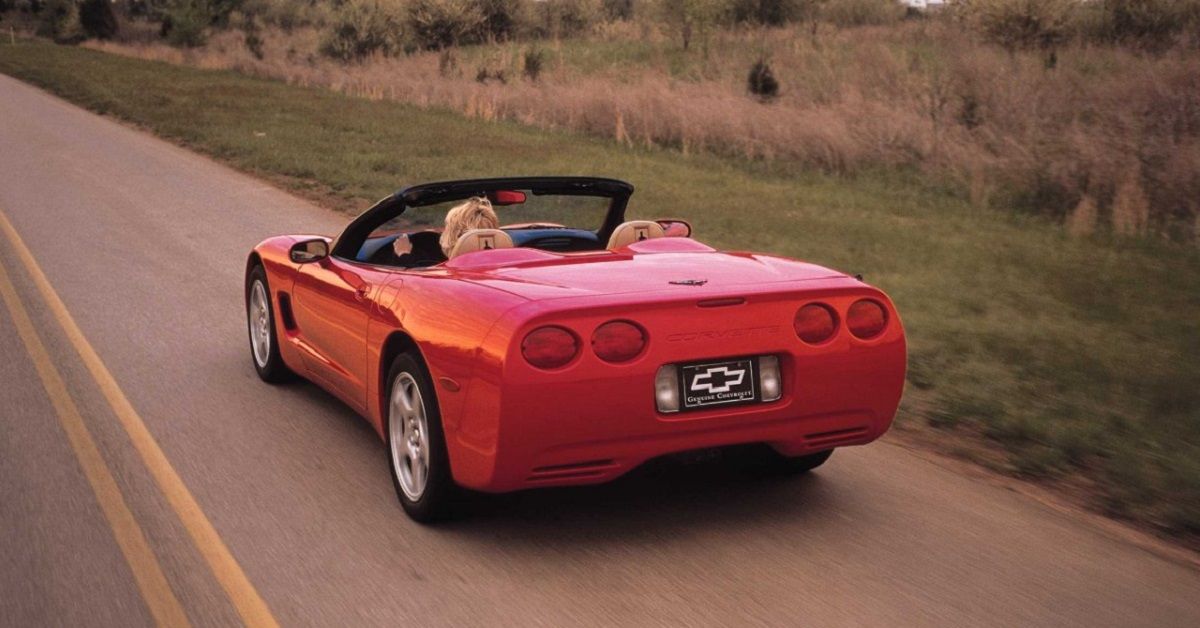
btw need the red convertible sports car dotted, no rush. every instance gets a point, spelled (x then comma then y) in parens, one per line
(570, 345)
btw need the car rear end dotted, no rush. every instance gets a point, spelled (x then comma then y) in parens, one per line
(584, 389)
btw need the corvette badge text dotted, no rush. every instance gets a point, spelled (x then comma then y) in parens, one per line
(744, 332)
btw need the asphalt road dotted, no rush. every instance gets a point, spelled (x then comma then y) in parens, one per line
(145, 243)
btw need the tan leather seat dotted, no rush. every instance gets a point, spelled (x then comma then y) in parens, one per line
(627, 233)
(481, 240)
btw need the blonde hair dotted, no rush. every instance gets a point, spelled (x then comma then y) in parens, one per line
(475, 213)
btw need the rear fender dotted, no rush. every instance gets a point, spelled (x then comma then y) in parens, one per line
(446, 322)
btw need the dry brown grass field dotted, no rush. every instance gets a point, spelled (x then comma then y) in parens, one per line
(1105, 137)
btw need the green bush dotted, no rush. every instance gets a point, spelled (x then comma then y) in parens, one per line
(773, 12)
(762, 82)
(1149, 24)
(185, 23)
(617, 9)
(361, 28)
(1017, 24)
(438, 24)
(291, 14)
(862, 12)
(72, 21)
(97, 19)
(564, 18)
(252, 37)
(533, 61)
(59, 20)
(501, 18)
(220, 10)
(691, 18)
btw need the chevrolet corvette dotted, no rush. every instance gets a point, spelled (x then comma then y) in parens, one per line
(571, 345)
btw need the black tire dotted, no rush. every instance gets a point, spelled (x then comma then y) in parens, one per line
(273, 370)
(763, 460)
(440, 495)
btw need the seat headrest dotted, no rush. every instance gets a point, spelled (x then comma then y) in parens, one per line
(627, 233)
(481, 240)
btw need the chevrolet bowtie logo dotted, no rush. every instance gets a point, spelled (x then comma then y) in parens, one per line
(718, 379)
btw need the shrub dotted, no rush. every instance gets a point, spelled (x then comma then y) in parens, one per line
(688, 18)
(1150, 24)
(564, 18)
(185, 22)
(761, 81)
(59, 20)
(1016, 24)
(773, 12)
(437, 24)
(97, 19)
(862, 12)
(485, 74)
(501, 18)
(291, 14)
(617, 9)
(534, 59)
(363, 28)
(72, 21)
(252, 38)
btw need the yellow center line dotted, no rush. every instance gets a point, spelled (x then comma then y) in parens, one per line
(249, 604)
(146, 571)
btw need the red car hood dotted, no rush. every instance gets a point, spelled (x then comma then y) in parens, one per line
(660, 266)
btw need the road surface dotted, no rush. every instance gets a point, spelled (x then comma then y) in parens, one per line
(230, 501)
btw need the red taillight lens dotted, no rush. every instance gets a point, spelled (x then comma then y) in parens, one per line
(866, 319)
(815, 323)
(618, 341)
(549, 347)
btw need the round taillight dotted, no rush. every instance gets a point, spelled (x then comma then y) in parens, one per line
(866, 319)
(549, 347)
(618, 341)
(815, 323)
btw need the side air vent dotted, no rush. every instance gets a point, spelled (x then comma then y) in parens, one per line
(285, 311)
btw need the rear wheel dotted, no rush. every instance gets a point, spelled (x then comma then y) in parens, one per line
(420, 464)
(260, 322)
(763, 460)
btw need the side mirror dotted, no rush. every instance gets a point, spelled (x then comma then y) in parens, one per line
(309, 251)
(675, 227)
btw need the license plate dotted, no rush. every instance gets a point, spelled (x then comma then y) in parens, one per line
(719, 383)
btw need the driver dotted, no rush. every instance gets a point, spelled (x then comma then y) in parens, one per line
(474, 213)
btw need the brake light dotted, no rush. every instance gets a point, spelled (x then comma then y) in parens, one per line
(618, 341)
(815, 323)
(549, 347)
(866, 319)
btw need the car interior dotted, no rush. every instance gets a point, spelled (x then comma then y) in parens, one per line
(426, 250)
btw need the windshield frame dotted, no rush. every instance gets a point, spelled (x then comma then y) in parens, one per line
(352, 238)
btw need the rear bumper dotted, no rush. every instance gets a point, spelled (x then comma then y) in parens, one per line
(589, 422)
(596, 431)
(590, 463)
